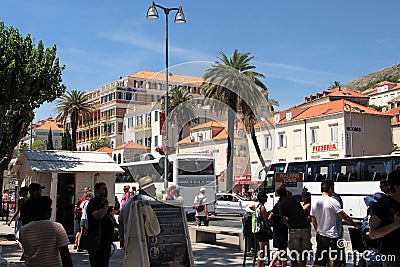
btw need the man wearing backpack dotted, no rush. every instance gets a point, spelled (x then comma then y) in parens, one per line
(200, 205)
(385, 222)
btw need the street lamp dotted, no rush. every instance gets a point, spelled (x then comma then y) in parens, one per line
(351, 127)
(179, 19)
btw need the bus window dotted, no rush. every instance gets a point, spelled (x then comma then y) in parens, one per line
(375, 170)
(346, 171)
(317, 171)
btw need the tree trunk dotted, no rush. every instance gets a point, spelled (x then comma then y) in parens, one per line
(229, 154)
(258, 150)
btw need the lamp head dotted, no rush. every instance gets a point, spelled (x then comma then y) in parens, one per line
(152, 12)
(180, 17)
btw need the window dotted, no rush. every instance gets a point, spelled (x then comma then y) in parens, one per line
(156, 116)
(297, 138)
(333, 131)
(156, 140)
(314, 136)
(267, 142)
(281, 140)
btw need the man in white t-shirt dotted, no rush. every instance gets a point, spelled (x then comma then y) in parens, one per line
(45, 243)
(324, 211)
(200, 205)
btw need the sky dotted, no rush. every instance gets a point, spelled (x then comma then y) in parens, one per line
(300, 46)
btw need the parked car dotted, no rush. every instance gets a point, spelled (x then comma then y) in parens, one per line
(227, 203)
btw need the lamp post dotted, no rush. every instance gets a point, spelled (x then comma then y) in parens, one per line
(351, 127)
(179, 19)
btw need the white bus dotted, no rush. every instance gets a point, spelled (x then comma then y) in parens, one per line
(190, 172)
(354, 177)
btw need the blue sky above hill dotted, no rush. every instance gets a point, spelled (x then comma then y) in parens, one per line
(301, 46)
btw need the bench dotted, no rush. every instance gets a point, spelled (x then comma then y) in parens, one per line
(208, 234)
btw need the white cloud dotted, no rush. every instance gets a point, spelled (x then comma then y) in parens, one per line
(154, 46)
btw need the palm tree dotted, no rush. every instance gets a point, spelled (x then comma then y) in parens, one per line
(73, 104)
(234, 82)
(181, 108)
(335, 84)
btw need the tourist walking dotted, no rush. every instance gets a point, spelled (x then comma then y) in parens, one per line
(26, 211)
(324, 211)
(126, 195)
(45, 242)
(84, 225)
(200, 205)
(100, 225)
(295, 218)
(385, 222)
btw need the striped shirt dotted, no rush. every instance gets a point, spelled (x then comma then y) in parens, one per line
(41, 240)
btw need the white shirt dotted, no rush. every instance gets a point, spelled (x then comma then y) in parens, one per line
(83, 206)
(200, 199)
(325, 210)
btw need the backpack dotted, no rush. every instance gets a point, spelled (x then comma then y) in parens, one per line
(78, 210)
(258, 224)
(200, 207)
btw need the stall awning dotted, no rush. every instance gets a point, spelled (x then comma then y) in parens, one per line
(68, 161)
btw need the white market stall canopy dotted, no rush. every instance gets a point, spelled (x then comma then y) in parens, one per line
(68, 161)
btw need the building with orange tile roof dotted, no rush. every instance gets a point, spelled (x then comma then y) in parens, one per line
(129, 152)
(335, 94)
(212, 137)
(329, 130)
(380, 94)
(112, 101)
(40, 131)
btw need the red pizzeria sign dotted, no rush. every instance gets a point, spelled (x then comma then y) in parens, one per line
(320, 148)
(242, 179)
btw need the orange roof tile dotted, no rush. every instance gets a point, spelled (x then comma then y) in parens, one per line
(209, 124)
(223, 135)
(185, 140)
(50, 124)
(346, 92)
(333, 107)
(106, 149)
(132, 145)
(384, 83)
(173, 78)
(393, 111)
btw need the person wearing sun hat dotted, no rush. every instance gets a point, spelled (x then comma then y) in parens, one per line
(200, 205)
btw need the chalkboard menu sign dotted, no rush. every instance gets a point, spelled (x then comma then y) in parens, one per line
(170, 248)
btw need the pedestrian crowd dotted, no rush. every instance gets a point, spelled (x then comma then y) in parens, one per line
(289, 224)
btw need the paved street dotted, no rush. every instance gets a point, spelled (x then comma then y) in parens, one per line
(224, 253)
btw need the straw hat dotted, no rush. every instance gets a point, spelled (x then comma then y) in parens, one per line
(145, 182)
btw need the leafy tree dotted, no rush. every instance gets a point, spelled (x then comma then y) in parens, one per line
(66, 142)
(39, 145)
(230, 81)
(73, 105)
(97, 144)
(30, 75)
(50, 145)
(378, 108)
(181, 109)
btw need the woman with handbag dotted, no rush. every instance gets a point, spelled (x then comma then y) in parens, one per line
(101, 227)
(262, 231)
(84, 221)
